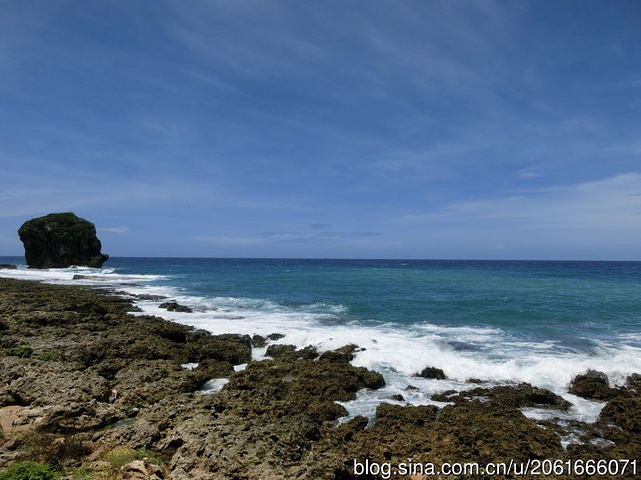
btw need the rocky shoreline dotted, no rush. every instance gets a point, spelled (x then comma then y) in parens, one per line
(99, 393)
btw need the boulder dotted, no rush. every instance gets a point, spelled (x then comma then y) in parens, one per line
(60, 240)
(432, 373)
(258, 341)
(140, 470)
(290, 352)
(592, 385)
(340, 355)
(633, 382)
(173, 306)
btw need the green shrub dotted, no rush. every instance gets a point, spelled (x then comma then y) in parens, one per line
(29, 471)
(22, 351)
(48, 355)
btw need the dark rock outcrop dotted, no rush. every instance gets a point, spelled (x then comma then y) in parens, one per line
(173, 306)
(593, 385)
(7, 266)
(633, 383)
(290, 352)
(432, 373)
(340, 355)
(625, 413)
(60, 240)
(522, 395)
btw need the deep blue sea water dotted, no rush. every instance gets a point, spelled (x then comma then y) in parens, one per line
(500, 321)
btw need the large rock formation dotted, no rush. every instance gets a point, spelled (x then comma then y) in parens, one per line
(60, 240)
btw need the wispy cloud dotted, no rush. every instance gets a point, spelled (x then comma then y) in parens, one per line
(121, 230)
(435, 46)
(598, 210)
(528, 173)
(317, 237)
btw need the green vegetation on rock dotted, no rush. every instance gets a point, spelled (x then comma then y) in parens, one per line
(49, 355)
(22, 351)
(29, 471)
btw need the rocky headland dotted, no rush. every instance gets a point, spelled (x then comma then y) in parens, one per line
(60, 240)
(99, 393)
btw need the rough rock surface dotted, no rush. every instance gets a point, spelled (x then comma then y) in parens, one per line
(173, 306)
(593, 385)
(432, 373)
(140, 470)
(521, 395)
(60, 240)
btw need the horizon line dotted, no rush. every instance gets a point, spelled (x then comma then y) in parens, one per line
(400, 259)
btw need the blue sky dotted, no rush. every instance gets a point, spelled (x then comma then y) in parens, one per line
(367, 129)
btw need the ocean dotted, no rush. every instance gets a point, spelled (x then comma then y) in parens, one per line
(497, 321)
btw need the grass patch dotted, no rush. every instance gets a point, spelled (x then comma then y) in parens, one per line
(48, 355)
(22, 351)
(121, 456)
(29, 471)
(117, 458)
(83, 474)
(55, 450)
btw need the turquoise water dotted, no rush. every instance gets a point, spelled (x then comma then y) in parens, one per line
(541, 322)
(571, 303)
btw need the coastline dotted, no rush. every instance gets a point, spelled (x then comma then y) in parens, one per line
(81, 377)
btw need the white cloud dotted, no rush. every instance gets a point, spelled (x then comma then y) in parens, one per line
(599, 214)
(121, 230)
(527, 173)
